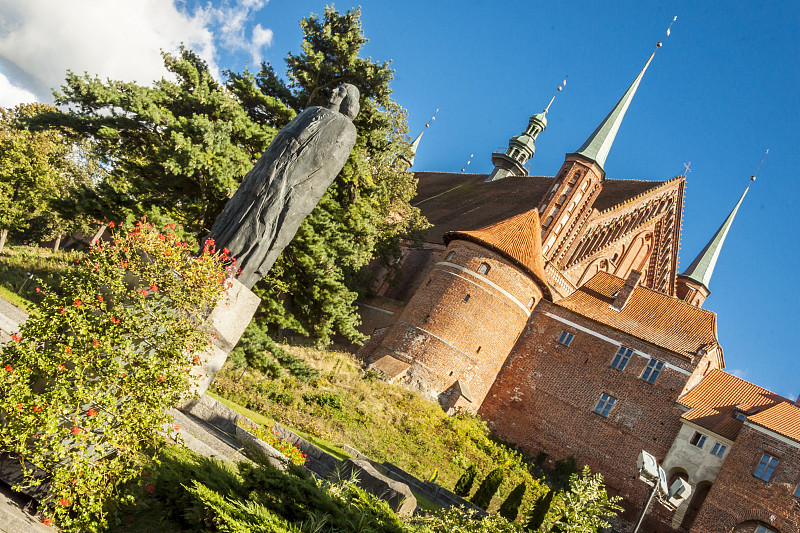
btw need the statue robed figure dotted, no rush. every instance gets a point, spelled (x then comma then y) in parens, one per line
(286, 184)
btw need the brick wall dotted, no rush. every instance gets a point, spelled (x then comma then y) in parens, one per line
(738, 501)
(460, 324)
(546, 393)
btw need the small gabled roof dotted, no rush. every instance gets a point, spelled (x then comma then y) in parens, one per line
(783, 418)
(714, 401)
(649, 315)
(518, 238)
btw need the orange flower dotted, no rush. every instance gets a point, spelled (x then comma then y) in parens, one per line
(161, 379)
(62, 367)
(111, 224)
(91, 412)
(78, 303)
(47, 522)
(100, 297)
(95, 343)
(9, 368)
(16, 337)
(75, 430)
(154, 288)
(65, 501)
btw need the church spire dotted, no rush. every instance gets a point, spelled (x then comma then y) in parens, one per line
(415, 142)
(599, 143)
(521, 148)
(692, 285)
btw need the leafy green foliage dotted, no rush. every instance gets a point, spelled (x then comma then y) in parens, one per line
(488, 488)
(460, 520)
(289, 450)
(84, 386)
(464, 484)
(539, 511)
(510, 507)
(36, 168)
(179, 147)
(583, 508)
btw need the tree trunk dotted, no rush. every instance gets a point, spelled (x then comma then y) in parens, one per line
(98, 234)
(3, 235)
(57, 243)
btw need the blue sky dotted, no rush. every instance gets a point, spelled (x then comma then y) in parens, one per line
(722, 89)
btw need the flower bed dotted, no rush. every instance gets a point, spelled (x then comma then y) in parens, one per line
(288, 450)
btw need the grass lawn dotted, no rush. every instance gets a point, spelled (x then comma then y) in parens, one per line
(384, 421)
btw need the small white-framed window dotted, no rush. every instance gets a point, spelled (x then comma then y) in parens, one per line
(450, 256)
(718, 449)
(621, 358)
(652, 370)
(698, 439)
(484, 268)
(565, 338)
(604, 405)
(738, 415)
(766, 467)
(531, 302)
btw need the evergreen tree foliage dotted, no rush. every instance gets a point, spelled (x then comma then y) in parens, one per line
(509, 509)
(465, 482)
(180, 146)
(487, 489)
(259, 351)
(539, 511)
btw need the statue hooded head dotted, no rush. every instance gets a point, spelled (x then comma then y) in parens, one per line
(345, 100)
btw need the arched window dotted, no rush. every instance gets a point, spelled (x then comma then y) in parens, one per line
(548, 221)
(450, 256)
(484, 268)
(575, 178)
(531, 302)
(562, 199)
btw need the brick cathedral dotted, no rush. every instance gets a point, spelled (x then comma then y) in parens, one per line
(553, 308)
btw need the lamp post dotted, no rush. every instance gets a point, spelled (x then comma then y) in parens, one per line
(651, 473)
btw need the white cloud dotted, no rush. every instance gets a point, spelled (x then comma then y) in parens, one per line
(11, 95)
(118, 39)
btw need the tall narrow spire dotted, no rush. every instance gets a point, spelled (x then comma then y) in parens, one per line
(599, 143)
(702, 267)
(415, 142)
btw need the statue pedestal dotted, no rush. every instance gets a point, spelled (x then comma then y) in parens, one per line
(227, 321)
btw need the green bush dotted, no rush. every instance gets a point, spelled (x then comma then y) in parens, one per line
(260, 352)
(84, 386)
(488, 487)
(510, 507)
(464, 484)
(539, 511)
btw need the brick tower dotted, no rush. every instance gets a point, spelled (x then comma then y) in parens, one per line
(457, 330)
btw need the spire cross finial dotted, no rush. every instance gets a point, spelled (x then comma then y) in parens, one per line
(558, 89)
(666, 33)
(687, 169)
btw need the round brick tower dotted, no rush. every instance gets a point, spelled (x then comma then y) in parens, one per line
(457, 330)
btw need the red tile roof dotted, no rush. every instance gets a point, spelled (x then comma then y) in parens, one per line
(714, 401)
(783, 418)
(649, 315)
(517, 238)
(457, 201)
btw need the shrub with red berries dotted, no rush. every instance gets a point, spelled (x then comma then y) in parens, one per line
(87, 380)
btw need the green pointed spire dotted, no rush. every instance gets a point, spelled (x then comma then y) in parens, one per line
(702, 267)
(599, 143)
(414, 146)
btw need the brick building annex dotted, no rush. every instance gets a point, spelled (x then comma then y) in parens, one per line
(552, 306)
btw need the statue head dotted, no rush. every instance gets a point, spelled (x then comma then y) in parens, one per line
(349, 104)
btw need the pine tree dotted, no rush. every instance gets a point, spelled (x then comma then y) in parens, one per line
(464, 483)
(509, 509)
(486, 491)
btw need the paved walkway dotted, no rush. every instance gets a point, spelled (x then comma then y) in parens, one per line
(10, 319)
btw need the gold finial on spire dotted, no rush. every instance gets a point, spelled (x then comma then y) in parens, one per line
(753, 177)
(558, 89)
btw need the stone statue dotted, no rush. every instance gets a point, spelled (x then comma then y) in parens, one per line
(286, 184)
